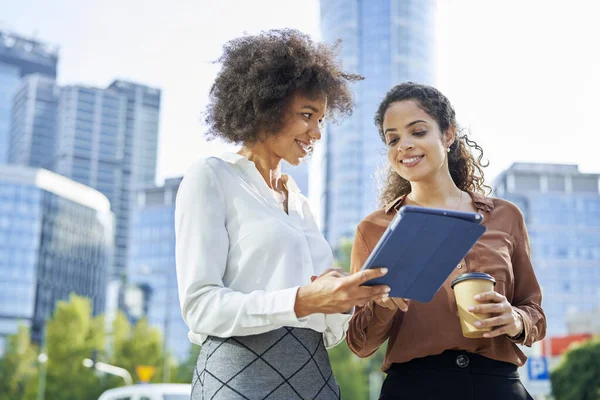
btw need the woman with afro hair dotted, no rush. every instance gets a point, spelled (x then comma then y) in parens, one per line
(257, 286)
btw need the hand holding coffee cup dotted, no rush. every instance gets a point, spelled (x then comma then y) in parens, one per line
(482, 311)
(506, 321)
(466, 287)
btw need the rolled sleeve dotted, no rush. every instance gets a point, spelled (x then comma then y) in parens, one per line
(527, 299)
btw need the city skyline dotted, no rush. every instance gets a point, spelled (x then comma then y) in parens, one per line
(508, 86)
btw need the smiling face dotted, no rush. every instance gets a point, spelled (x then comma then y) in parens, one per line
(416, 148)
(302, 128)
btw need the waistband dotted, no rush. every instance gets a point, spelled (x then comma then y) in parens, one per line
(456, 360)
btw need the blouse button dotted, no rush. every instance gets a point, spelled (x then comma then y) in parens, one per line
(459, 266)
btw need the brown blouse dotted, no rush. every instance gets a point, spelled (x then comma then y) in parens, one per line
(431, 328)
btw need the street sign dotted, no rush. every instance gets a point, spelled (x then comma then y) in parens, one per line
(145, 372)
(537, 368)
(539, 378)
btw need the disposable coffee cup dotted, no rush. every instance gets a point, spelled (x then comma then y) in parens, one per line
(466, 287)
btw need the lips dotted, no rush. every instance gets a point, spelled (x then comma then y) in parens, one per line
(306, 148)
(411, 161)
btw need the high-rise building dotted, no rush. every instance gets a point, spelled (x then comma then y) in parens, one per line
(33, 124)
(55, 238)
(562, 211)
(388, 42)
(151, 266)
(108, 139)
(141, 132)
(19, 57)
(91, 150)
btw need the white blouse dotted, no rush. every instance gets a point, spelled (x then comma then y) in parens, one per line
(241, 258)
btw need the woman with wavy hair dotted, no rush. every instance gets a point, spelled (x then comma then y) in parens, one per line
(257, 286)
(427, 357)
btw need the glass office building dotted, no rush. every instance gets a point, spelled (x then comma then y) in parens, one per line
(151, 267)
(388, 42)
(19, 57)
(141, 132)
(55, 239)
(33, 124)
(91, 150)
(562, 211)
(107, 139)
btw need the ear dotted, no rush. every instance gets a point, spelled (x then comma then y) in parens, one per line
(449, 136)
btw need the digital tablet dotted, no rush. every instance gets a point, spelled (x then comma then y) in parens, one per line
(421, 247)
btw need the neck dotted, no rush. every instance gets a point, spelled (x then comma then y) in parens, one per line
(439, 192)
(268, 165)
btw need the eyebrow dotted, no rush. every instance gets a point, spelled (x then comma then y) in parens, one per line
(406, 127)
(315, 109)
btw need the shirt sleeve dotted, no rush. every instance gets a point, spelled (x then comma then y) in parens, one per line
(336, 326)
(527, 298)
(202, 243)
(370, 325)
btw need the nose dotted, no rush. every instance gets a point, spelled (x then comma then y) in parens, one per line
(405, 146)
(315, 133)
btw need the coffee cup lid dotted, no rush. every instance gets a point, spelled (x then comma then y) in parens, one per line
(472, 275)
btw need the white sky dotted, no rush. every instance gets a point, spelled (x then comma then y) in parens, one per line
(522, 74)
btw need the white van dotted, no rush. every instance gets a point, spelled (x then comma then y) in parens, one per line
(149, 391)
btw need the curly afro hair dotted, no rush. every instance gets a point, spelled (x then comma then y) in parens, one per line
(466, 170)
(260, 74)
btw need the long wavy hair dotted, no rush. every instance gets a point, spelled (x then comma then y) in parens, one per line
(466, 169)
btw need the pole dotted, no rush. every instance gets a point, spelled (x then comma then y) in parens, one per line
(43, 360)
(109, 369)
(166, 369)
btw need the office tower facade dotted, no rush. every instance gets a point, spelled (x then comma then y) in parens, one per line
(151, 266)
(19, 57)
(91, 150)
(562, 211)
(107, 139)
(33, 123)
(141, 132)
(55, 239)
(388, 42)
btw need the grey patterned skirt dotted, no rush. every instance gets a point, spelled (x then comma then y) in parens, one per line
(288, 363)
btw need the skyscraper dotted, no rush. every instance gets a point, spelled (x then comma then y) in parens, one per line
(33, 122)
(108, 139)
(388, 42)
(151, 265)
(91, 150)
(562, 211)
(141, 132)
(55, 238)
(19, 57)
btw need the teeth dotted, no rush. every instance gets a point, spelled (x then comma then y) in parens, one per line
(304, 147)
(410, 160)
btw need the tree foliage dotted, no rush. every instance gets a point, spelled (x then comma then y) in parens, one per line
(577, 377)
(18, 367)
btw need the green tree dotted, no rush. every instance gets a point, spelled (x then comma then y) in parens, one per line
(72, 335)
(137, 345)
(342, 254)
(185, 370)
(349, 372)
(18, 367)
(577, 377)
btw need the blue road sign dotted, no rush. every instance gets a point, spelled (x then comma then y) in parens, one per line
(537, 368)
